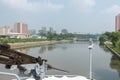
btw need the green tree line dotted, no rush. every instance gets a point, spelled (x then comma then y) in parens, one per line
(55, 36)
(49, 36)
(114, 38)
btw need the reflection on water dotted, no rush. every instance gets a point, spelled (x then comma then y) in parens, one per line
(51, 47)
(115, 61)
(45, 48)
(42, 49)
(115, 64)
(104, 48)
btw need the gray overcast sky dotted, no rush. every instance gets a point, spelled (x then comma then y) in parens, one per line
(85, 16)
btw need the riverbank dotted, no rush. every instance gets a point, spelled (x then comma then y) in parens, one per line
(113, 51)
(32, 44)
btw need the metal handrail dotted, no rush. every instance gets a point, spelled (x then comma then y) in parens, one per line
(10, 74)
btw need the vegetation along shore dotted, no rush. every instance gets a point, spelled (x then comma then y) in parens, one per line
(29, 42)
(112, 41)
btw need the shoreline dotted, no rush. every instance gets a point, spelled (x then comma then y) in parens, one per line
(32, 44)
(113, 51)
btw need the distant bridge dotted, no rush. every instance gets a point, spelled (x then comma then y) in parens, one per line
(78, 39)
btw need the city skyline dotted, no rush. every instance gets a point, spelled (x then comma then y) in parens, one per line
(87, 16)
(23, 28)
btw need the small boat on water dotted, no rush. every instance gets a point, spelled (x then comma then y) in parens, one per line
(40, 68)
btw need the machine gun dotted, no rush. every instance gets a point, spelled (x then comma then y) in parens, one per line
(11, 57)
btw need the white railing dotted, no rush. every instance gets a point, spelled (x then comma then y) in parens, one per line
(10, 74)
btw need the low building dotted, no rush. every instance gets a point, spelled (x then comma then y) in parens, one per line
(18, 35)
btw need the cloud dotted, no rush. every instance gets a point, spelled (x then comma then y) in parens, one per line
(53, 6)
(32, 5)
(114, 9)
(19, 4)
(83, 5)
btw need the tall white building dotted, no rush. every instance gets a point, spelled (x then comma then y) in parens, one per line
(5, 30)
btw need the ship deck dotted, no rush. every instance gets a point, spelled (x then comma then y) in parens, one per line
(63, 77)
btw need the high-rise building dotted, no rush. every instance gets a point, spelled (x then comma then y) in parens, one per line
(32, 31)
(21, 28)
(117, 23)
(4, 30)
(51, 30)
(43, 31)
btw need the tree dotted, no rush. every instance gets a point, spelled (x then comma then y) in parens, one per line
(118, 43)
(108, 34)
(49, 36)
(102, 39)
(115, 36)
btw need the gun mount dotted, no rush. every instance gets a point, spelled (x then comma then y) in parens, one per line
(11, 57)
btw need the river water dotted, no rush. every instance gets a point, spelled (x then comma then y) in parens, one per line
(74, 57)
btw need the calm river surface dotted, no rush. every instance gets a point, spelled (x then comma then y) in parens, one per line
(74, 57)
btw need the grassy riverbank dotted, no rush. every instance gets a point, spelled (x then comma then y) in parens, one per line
(116, 49)
(38, 43)
(20, 40)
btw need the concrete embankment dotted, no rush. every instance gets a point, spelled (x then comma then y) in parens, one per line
(113, 51)
(31, 44)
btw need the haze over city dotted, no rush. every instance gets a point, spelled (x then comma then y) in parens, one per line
(87, 16)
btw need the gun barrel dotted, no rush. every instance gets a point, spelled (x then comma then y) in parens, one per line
(50, 67)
